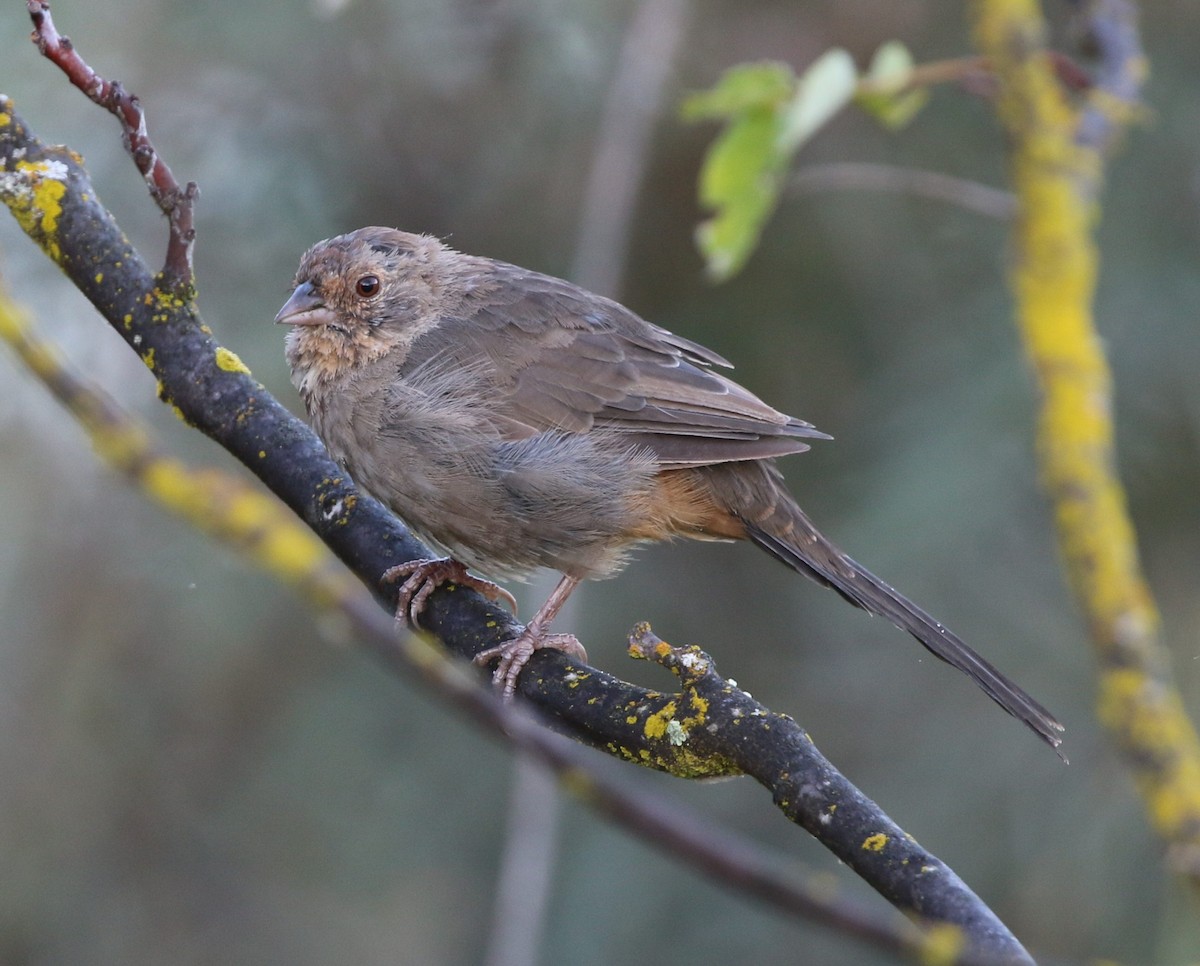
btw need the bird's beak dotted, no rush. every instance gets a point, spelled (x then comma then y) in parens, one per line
(304, 308)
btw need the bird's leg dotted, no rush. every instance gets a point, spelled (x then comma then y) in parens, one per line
(515, 654)
(423, 577)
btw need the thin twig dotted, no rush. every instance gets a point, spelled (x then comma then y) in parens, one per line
(865, 176)
(632, 105)
(176, 203)
(526, 874)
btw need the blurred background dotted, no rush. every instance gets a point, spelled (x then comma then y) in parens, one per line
(191, 771)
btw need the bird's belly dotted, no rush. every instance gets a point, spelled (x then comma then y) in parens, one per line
(570, 502)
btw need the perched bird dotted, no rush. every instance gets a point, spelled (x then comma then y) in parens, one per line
(517, 421)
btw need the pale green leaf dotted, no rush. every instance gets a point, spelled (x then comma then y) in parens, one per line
(886, 97)
(824, 89)
(891, 67)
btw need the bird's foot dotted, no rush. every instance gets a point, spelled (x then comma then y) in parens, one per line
(515, 654)
(423, 577)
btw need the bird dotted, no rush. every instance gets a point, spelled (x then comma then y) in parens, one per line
(516, 421)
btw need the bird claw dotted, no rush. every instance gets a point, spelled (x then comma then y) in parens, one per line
(515, 654)
(425, 576)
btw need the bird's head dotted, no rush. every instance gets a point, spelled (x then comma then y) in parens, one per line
(360, 296)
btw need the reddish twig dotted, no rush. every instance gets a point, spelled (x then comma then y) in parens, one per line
(175, 202)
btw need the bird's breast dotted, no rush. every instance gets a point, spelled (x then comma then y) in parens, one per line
(440, 457)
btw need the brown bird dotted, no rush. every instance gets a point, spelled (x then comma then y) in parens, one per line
(517, 421)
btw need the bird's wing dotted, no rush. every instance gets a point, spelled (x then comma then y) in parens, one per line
(570, 360)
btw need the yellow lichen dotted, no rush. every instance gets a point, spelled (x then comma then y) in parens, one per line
(12, 325)
(164, 299)
(577, 783)
(420, 650)
(875, 843)
(943, 944)
(656, 724)
(228, 361)
(1154, 722)
(33, 192)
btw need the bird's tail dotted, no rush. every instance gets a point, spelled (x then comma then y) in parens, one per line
(786, 533)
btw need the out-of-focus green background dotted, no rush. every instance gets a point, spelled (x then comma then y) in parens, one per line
(191, 772)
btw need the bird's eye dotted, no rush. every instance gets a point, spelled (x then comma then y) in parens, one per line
(367, 286)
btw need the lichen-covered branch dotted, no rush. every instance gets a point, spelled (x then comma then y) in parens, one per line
(1056, 165)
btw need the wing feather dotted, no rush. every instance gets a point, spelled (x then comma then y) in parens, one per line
(566, 359)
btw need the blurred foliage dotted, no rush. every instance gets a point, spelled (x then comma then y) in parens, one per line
(769, 114)
(192, 773)
(886, 92)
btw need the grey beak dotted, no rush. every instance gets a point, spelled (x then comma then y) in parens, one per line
(304, 308)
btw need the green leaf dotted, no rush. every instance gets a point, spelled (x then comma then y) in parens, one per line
(740, 182)
(886, 97)
(894, 111)
(824, 89)
(769, 114)
(740, 88)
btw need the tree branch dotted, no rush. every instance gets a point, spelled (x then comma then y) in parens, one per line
(1057, 163)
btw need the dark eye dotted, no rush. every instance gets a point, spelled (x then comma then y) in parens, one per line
(367, 286)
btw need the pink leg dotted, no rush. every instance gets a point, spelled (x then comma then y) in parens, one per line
(426, 576)
(515, 654)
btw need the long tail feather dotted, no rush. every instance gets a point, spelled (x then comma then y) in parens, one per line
(806, 551)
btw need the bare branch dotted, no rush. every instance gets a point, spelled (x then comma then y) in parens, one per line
(214, 392)
(176, 203)
(864, 176)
